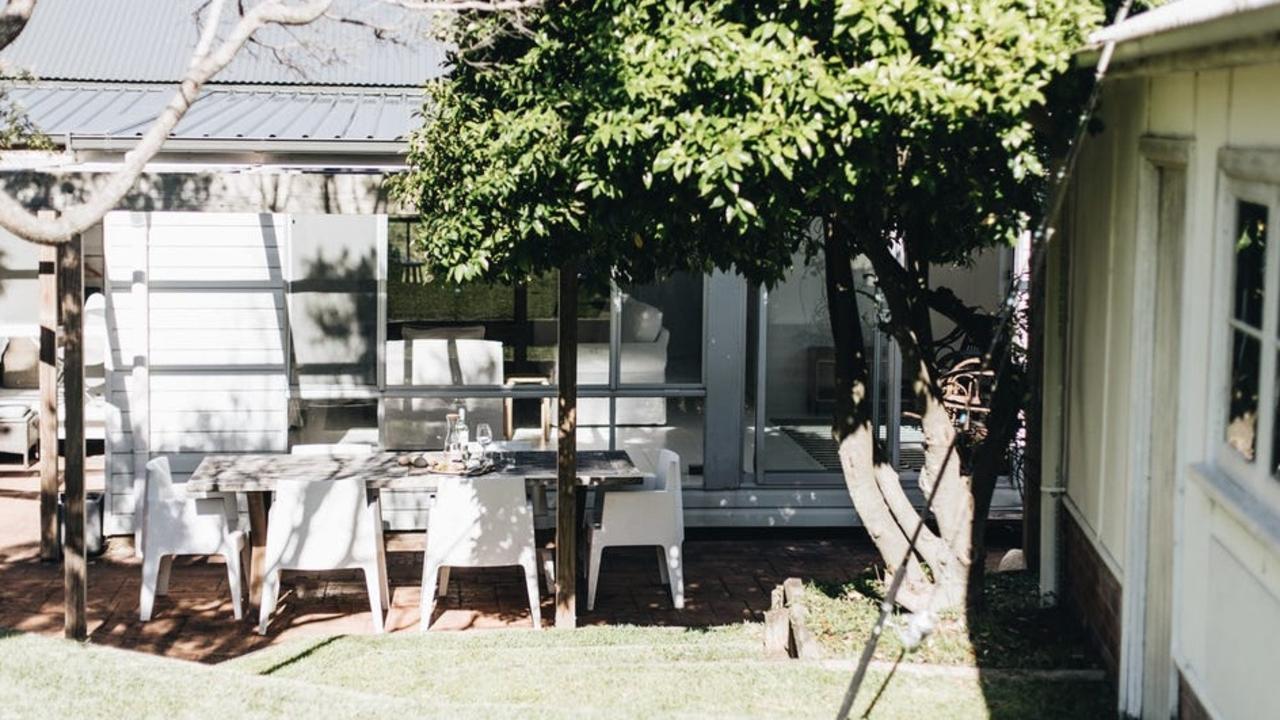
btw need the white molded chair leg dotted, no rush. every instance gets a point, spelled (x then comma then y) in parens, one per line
(150, 579)
(162, 584)
(675, 567)
(548, 561)
(373, 581)
(593, 574)
(384, 577)
(444, 581)
(270, 596)
(428, 594)
(531, 584)
(235, 579)
(663, 575)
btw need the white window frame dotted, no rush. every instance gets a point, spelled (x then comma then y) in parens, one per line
(1247, 175)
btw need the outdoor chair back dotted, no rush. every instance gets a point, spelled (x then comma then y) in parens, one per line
(642, 518)
(174, 524)
(479, 522)
(325, 524)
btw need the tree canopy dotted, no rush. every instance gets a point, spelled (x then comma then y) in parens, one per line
(644, 136)
(635, 138)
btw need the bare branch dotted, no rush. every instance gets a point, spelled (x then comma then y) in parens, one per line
(206, 62)
(13, 19)
(17, 220)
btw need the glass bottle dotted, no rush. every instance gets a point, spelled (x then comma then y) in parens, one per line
(451, 449)
(462, 435)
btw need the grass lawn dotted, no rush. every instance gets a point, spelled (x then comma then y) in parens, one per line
(594, 672)
(1013, 632)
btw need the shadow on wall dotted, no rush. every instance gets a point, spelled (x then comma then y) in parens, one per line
(334, 311)
(171, 191)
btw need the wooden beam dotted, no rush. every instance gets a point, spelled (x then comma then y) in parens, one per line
(48, 403)
(75, 569)
(567, 519)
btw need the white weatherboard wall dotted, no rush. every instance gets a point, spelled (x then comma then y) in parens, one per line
(198, 342)
(1225, 583)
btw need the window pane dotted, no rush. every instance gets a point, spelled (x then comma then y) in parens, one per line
(329, 422)
(661, 332)
(799, 367)
(647, 425)
(333, 309)
(419, 423)
(1242, 411)
(1250, 252)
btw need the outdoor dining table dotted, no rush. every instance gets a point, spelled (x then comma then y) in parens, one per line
(257, 474)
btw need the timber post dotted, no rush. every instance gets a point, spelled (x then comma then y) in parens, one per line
(48, 373)
(75, 569)
(567, 453)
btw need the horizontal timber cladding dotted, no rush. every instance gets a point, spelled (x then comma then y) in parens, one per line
(198, 329)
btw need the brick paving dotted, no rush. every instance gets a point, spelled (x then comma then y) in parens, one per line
(728, 579)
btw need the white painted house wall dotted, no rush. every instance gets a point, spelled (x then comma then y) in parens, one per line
(197, 330)
(1225, 581)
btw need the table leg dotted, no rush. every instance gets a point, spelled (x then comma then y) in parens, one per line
(257, 544)
(581, 551)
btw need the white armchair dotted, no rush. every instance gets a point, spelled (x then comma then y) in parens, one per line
(642, 360)
(325, 525)
(479, 522)
(174, 524)
(644, 518)
(420, 422)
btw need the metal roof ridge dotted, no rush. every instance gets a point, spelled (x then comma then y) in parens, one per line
(243, 88)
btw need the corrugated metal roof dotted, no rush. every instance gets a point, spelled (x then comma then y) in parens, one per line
(123, 112)
(152, 41)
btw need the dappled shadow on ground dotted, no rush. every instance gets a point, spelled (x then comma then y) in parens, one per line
(1014, 642)
(728, 580)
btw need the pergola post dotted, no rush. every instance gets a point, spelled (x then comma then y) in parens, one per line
(48, 372)
(567, 453)
(75, 568)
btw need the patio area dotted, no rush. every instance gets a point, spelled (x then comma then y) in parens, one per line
(727, 580)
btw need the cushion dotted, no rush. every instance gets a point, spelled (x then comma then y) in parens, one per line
(465, 332)
(641, 322)
(21, 363)
(14, 411)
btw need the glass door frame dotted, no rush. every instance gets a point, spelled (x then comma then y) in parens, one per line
(884, 351)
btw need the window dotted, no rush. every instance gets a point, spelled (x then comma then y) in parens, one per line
(493, 349)
(1248, 431)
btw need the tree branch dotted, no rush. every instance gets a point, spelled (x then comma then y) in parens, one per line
(207, 61)
(13, 19)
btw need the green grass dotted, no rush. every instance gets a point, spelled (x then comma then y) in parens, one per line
(48, 678)
(1013, 632)
(622, 672)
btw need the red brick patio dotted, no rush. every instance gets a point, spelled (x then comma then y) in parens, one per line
(727, 580)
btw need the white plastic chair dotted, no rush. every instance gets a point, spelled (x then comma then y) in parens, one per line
(479, 522)
(325, 525)
(175, 524)
(642, 518)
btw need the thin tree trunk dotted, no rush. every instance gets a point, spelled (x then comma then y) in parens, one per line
(940, 478)
(866, 474)
(988, 459)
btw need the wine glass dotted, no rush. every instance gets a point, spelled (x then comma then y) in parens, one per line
(484, 436)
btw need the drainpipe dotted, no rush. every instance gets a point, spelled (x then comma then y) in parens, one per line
(1053, 465)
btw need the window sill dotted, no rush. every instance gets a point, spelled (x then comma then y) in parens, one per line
(1252, 512)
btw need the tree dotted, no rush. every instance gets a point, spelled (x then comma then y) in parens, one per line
(641, 137)
(218, 44)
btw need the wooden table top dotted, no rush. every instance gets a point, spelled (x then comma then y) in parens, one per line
(260, 472)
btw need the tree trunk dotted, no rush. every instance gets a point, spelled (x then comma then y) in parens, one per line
(941, 480)
(988, 458)
(873, 485)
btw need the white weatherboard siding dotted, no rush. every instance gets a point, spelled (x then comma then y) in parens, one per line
(1223, 592)
(198, 334)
